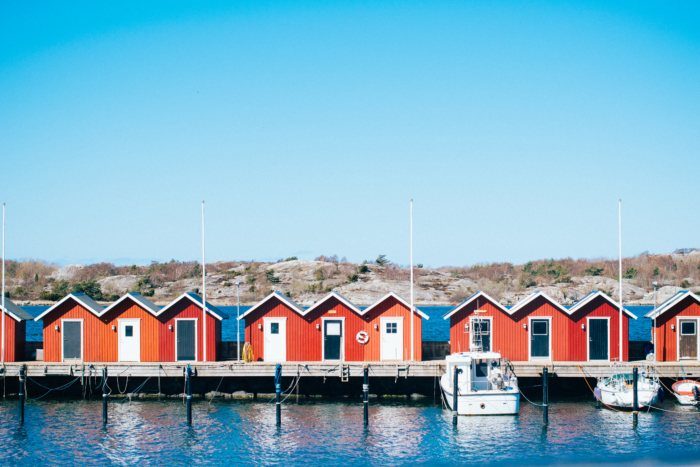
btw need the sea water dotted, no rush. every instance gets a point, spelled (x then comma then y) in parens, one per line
(331, 432)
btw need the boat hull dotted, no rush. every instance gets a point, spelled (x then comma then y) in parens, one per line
(624, 399)
(684, 391)
(491, 402)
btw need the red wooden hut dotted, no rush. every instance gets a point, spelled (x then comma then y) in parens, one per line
(333, 329)
(594, 329)
(15, 332)
(181, 328)
(72, 329)
(130, 330)
(494, 316)
(675, 328)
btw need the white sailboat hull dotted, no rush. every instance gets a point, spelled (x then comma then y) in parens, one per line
(491, 402)
(624, 399)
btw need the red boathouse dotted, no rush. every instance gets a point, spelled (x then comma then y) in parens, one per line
(72, 329)
(15, 332)
(675, 328)
(180, 333)
(129, 331)
(333, 329)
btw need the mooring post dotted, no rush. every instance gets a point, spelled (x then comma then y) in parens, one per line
(455, 394)
(278, 392)
(365, 391)
(188, 376)
(635, 400)
(545, 398)
(22, 379)
(105, 395)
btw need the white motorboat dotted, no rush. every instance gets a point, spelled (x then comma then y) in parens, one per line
(485, 384)
(687, 392)
(617, 390)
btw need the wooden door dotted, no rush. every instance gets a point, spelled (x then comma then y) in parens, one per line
(688, 339)
(539, 338)
(598, 339)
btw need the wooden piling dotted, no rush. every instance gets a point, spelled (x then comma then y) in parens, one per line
(188, 375)
(455, 395)
(365, 391)
(105, 395)
(635, 400)
(22, 386)
(545, 398)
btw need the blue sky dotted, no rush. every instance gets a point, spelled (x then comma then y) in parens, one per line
(307, 127)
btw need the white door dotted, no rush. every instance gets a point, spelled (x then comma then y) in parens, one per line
(129, 340)
(275, 340)
(392, 339)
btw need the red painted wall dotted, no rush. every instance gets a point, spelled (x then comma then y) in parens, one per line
(71, 309)
(668, 338)
(187, 309)
(15, 336)
(510, 338)
(578, 338)
(304, 341)
(109, 339)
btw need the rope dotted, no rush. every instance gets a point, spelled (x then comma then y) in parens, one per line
(125, 386)
(49, 390)
(538, 405)
(215, 392)
(589, 387)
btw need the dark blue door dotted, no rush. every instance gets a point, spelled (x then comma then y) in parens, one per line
(332, 335)
(185, 341)
(72, 340)
(598, 339)
(539, 338)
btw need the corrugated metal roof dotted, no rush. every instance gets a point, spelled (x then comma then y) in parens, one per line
(81, 298)
(283, 298)
(16, 312)
(474, 296)
(214, 310)
(139, 299)
(597, 293)
(671, 302)
(401, 300)
(337, 296)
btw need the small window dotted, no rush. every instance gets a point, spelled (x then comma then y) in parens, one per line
(539, 328)
(687, 328)
(274, 328)
(482, 368)
(482, 326)
(391, 328)
(128, 331)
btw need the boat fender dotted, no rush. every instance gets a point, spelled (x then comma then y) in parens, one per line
(661, 394)
(613, 399)
(596, 393)
(362, 337)
(696, 393)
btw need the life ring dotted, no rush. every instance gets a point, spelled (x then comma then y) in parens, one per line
(362, 337)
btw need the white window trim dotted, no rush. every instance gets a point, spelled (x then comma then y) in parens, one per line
(82, 337)
(389, 319)
(275, 319)
(678, 337)
(588, 337)
(126, 320)
(196, 339)
(342, 338)
(471, 329)
(530, 358)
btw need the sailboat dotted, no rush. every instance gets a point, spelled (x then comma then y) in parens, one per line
(618, 389)
(486, 383)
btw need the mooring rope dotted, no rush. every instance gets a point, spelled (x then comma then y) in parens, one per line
(596, 397)
(49, 390)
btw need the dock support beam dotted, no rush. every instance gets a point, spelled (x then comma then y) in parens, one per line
(545, 398)
(455, 395)
(365, 392)
(22, 385)
(188, 377)
(278, 392)
(105, 395)
(635, 400)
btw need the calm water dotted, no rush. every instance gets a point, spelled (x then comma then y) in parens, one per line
(434, 329)
(332, 433)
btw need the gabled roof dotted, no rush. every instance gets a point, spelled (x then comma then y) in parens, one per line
(197, 300)
(139, 299)
(535, 296)
(401, 300)
(592, 296)
(671, 302)
(477, 295)
(16, 312)
(87, 303)
(338, 297)
(275, 295)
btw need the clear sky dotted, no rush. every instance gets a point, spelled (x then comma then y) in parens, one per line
(307, 127)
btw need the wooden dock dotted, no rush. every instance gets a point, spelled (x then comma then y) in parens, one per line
(406, 369)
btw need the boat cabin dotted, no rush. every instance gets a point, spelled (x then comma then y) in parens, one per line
(477, 371)
(675, 326)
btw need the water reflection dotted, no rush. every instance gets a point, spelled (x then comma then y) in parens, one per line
(333, 433)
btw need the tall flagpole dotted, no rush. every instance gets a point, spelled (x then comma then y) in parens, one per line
(620, 224)
(3, 282)
(204, 291)
(412, 338)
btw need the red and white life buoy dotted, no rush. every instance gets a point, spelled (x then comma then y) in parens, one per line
(362, 337)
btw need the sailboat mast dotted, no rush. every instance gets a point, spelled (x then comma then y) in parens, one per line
(412, 337)
(620, 265)
(3, 282)
(204, 293)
